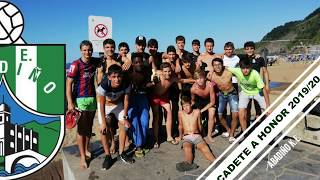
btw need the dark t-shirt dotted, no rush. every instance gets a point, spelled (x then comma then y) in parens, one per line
(118, 58)
(257, 63)
(184, 53)
(113, 94)
(103, 64)
(187, 86)
(191, 70)
(201, 102)
(193, 58)
(158, 59)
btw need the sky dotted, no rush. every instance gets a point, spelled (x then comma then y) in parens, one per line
(18, 114)
(66, 22)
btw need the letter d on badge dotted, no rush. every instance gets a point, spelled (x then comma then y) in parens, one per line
(3, 66)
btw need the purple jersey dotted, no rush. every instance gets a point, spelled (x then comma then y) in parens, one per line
(83, 76)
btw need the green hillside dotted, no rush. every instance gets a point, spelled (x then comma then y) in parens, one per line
(306, 31)
(48, 135)
(281, 31)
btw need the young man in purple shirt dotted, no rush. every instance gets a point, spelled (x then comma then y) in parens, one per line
(81, 94)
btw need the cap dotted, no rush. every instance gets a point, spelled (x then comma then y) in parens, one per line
(196, 41)
(141, 40)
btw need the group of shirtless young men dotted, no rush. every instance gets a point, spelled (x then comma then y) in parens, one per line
(123, 86)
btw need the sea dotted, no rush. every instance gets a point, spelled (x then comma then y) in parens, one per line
(18, 170)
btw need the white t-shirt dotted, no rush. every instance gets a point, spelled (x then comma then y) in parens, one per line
(231, 62)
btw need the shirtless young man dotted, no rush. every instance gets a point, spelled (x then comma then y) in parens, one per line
(110, 58)
(204, 60)
(179, 51)
(227, 94)
(190, 134)
(139, 105)
(203, 98)
(123, 48)
(123, 56)
(160, 97)
(173, 59)
(155, 56)
(186, 73)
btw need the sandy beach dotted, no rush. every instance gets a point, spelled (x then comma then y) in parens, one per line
(279, 72)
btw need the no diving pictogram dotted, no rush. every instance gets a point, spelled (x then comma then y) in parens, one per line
(101, 30)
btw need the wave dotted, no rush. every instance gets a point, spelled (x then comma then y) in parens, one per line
(18, 170)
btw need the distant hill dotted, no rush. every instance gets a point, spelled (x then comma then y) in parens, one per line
(48, 135)
(287, 37)
(308, 29)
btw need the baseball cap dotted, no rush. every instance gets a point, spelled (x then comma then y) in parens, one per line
(141, 40)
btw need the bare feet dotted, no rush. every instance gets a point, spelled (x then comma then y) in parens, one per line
(172, 141)
(88, 155)
(209, 139)
(83, 164)
(170, 138)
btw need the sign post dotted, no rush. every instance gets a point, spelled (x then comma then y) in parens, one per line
(100, 28)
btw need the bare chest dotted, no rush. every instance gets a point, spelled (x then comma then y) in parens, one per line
(203, 92)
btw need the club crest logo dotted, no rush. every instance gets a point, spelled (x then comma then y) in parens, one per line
(31, 107)
(32, 100)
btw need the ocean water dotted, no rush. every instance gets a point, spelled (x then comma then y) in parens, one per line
(275, 84)
(18, 170)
